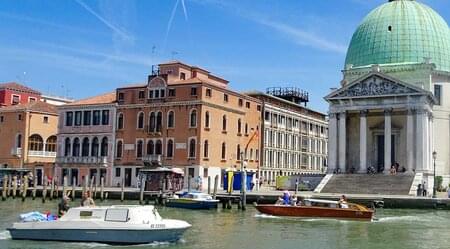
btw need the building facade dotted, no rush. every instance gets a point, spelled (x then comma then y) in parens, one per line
(294, 137)
(86, 139)
(12, 93)
(392, 107)
(187, 118)
(28, 133)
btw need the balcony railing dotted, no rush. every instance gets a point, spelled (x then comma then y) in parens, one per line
(83, 160)
(16, 152)
(40, 153)
(152, 158)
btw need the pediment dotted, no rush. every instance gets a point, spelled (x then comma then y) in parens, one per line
(375, 85)
(157, 82)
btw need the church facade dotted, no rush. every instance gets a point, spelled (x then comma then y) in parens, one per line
(393, 104)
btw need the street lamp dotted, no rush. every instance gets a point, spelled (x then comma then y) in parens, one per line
(434, 173)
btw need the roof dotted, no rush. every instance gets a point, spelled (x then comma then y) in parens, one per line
(106, 98)
(36, 106)
(18, 87)
(401, 31)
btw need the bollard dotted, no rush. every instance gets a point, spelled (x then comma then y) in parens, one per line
(216, 183)
(55, 182)
(25, 187)
(9, 193)
(52, 188)
(189, 183)
(44, 190)
(106, 195)
(90, 188)
(244, 189)
(14, 183)
(229, 204)
(122, 194)
(73, 187)
(5, 186)
(141, 190)
(102, 185)
(34, 187)
(86, 184)
(296, 186)
(209, 185)
(64, 186)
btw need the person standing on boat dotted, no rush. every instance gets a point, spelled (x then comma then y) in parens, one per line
(87, 201)
(63, 206)
(343, 202)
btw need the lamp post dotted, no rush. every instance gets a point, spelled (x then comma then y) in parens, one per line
(434, 173)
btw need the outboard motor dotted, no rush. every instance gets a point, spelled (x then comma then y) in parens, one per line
(378, 204)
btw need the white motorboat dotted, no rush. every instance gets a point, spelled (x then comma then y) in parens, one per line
(111, 225)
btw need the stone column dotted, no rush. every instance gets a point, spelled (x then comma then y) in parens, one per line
(409, 141)
(332, 143)
(387, 140)
(342, 141)
(431, 140)
(422, 145)
(363, 142)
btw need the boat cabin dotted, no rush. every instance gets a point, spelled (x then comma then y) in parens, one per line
(122, 213)
(195, 196)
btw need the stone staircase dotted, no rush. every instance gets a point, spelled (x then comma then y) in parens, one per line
(369, 184)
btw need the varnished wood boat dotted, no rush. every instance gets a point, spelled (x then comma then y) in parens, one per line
(314, 208)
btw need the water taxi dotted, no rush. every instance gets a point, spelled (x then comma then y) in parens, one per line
(111, 225)
(316, 208)
(192, 200)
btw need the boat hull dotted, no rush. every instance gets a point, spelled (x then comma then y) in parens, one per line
(108, 236)
(315, 212)
(191, 204)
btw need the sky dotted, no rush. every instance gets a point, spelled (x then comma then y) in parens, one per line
(82, 48)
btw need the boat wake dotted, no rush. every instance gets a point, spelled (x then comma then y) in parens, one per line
(399, 218)
(5, 235)
(266, 216)
(100, 245)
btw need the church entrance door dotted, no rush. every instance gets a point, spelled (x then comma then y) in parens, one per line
(380, 154)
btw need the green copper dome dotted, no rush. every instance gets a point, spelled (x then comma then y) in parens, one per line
(401, 31)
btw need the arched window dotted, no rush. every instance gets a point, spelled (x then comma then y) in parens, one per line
(246, 128)
(35, 143)
(192, 148)
(50, 144)
(224, 148)
(150, 147)
(169, 148)
(120, 121)
(170, 119)
(140, 120)
(76, 147)
(119, 149)
(94, 147)
(238, 152)
(158, 121)
(85, 147)
(152, 122)
(239, 126)
(193, 118)
(206, 149)
(207, 119)
(19, 141)
(67, 147)
(158, 147)
(139, 147)
(224, 123)
(104, 147)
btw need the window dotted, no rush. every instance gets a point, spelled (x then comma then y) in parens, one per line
(77, 118)
(67, 147)
(170, 119)
(104, 147)
(19, 141)
(208, 92)
(223, 152)
(120, 121)
(247, 104)
(241, 102)
(206, 149)
(150, 147)
(193, 118)
(31, 99)
(158, 147)
(116, 215)
(246, 129)
(225, 97)
(437, 93)
(238, 152)
(150, 94)
(207, 119)
(239, 126)
(158, 122)
(35, 143)
(119, 149)
(121, 96)
(85, 147)
(140, 120)
(105, 117)
(76, 147)
(192, 148)
(191, 172)
(152, 122)
(2, 119)
(19, 117)
(45, 120)
(182, 76)
(69, 118)
(169, 151)
(156, 94)
(96, 118)
(163, 93)
(205, 172)
(94, 147)
(15, 99)
(87, 118)
(194, 91)
(50, 144)
(224, 123)
(139, 148)
(258, 108)
(141, 94)
(172, 92)
(117, 172)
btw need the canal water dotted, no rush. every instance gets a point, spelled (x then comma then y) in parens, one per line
(235, 229)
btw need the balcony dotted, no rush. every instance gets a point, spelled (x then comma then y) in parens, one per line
(16, 152)
(40, 153)
(83, 160)
(152, 159)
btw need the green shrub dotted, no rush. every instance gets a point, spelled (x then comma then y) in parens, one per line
(438, 180)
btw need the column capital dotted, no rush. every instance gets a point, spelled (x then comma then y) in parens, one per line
(410, 110)
(421, 111)
(332, 115)
(363, 113)
(388, 111)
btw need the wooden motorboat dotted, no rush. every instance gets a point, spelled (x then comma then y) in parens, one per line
(315, 208)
